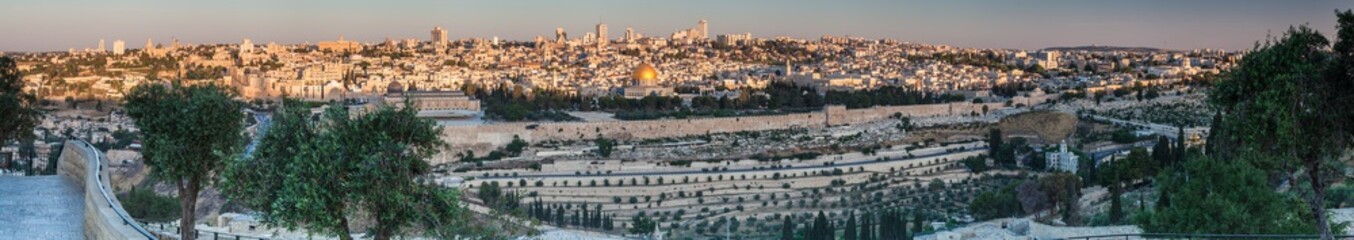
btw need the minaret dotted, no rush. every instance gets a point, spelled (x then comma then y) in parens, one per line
(101, 49)
(149, 44)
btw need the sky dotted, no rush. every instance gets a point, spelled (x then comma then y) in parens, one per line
(57, 25)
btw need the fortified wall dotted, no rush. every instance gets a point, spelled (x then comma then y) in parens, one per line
(104, 216)
(486, 137)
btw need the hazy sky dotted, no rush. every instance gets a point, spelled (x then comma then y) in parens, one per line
(56, 25)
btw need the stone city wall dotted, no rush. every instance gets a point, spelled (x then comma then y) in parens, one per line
(79, 163)
(486, 137)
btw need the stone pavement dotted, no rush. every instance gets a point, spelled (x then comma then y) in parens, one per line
(40, 207)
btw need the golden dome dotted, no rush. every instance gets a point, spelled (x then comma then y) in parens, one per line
(645, 75)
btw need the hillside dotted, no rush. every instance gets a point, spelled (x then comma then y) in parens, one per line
(1049, 126)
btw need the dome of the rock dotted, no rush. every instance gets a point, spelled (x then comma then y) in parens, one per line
(645, 75)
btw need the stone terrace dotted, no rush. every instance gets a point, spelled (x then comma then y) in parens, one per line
(41, 207)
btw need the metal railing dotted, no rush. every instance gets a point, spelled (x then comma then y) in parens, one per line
(203, 234)
(108, 199)
(1204, 236)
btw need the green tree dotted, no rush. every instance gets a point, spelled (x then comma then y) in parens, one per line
(1062, 190)
(324, 175)
(822, 228)
(1162, 152)
(516, 147)
(996, 203)
(1116, 193)
(145, 204)
(604, 146)
(641, 225)
(19, 108)
(1220, 196)
(787, 228)
(850, 230)
(1286, 107)
(288, 179)
(917, 222)
(975, 164)
(188, 132)
(867, 226)
(1002, 153)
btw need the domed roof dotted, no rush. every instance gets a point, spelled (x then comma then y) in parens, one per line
(394, 87)
(645, 74)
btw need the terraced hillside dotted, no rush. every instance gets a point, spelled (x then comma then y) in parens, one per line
(705, 198)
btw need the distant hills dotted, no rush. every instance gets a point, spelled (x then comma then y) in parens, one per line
(1094, 48)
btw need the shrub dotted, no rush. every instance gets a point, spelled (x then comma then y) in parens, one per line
(146, 205)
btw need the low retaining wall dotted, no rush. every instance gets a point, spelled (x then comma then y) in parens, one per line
(104, 216)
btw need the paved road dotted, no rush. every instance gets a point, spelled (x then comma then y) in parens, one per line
(264, 121)
(41, 207)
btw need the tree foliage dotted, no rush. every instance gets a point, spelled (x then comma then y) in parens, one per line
(642, 225)
(1286, 108)
(188, 131)
(18, 107)
(997, 203)
(144, 204)
(1220, 196)
(323, 175)
(604, 146)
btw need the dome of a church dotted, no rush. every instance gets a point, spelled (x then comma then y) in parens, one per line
(645, 75)
(394, 87)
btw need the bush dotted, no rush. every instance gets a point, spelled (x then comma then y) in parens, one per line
(146, 205)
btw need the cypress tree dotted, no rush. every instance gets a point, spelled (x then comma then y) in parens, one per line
(917, 222)
(865, 226)
(902, 226)
(1179, 146)
(819, 227)
(1116, 207)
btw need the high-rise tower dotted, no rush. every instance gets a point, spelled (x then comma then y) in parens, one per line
(439, 35)
(703, 29)
(119, 47)
(601, 35)
(629, 35)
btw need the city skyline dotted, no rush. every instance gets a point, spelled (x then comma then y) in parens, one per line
(981, 24)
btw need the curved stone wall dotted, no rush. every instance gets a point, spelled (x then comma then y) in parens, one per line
(104, 216)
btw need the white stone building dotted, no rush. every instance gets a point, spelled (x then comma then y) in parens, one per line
(1062, 160)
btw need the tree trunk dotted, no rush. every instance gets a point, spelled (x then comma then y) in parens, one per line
(1318, 201)
(383, 229)
(383, 233)
(188, 208)
(344, 233)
